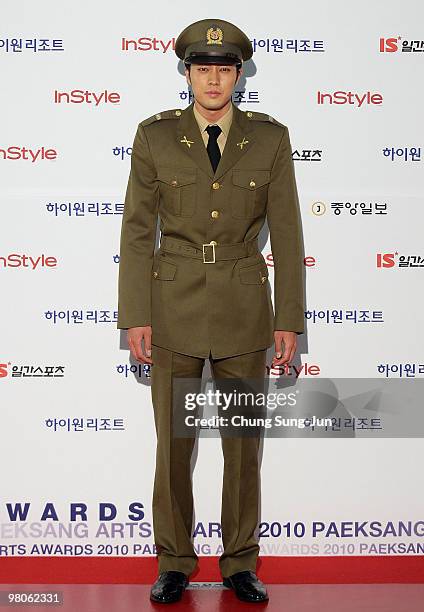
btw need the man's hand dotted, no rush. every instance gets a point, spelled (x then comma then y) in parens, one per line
(135, 335)
(289, 338)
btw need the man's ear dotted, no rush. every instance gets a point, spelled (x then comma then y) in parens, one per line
(187, 75)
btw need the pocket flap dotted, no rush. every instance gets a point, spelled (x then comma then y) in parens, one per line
(176, 177)
(164, 270)
(254, 275)
(251, 179)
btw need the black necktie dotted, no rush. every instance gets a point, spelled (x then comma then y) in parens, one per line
(213, 148)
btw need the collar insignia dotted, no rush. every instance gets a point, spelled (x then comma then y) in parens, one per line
(187, 142)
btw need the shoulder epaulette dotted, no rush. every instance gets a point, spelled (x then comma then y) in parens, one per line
(174, 113)
(255, 116)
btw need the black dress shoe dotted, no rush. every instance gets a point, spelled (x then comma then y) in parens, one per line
(247, 586)
(168, 587)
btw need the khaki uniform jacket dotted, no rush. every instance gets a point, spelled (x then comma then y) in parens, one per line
(223, 307)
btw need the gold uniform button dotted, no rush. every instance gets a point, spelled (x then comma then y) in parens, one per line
(263, 279)
(249, 114)
(155, 274)
(178, 113)
(215, 185)
(252, 184)
(158, 116)
(213, 242)
(214, 214)
(174, 183)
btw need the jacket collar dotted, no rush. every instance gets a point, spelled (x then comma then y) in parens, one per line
(240, 139)
(224, 123)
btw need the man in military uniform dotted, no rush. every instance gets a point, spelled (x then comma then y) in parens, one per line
(212, 173)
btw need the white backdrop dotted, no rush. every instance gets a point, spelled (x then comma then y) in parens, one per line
(328, 480)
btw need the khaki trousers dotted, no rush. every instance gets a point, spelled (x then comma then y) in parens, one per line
(172, 503)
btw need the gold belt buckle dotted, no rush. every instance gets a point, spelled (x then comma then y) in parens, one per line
(213, 251)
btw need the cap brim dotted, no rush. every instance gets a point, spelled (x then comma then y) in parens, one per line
(212, 59)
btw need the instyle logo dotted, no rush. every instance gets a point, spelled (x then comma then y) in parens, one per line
(33, 155)
(309, 262)
(304, 369)
(350, 97)
(81, 96)
(18, 260)
(145, 43)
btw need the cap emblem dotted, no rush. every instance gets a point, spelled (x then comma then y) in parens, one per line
(214, 36)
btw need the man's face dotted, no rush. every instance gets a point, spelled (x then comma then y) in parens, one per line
(212, 84)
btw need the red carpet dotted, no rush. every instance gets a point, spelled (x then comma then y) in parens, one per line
(272, 570)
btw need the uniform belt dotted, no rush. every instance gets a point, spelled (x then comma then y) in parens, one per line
(209, 252)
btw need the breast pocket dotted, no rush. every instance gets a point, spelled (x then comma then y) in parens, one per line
(178, 190)
(249, 193)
